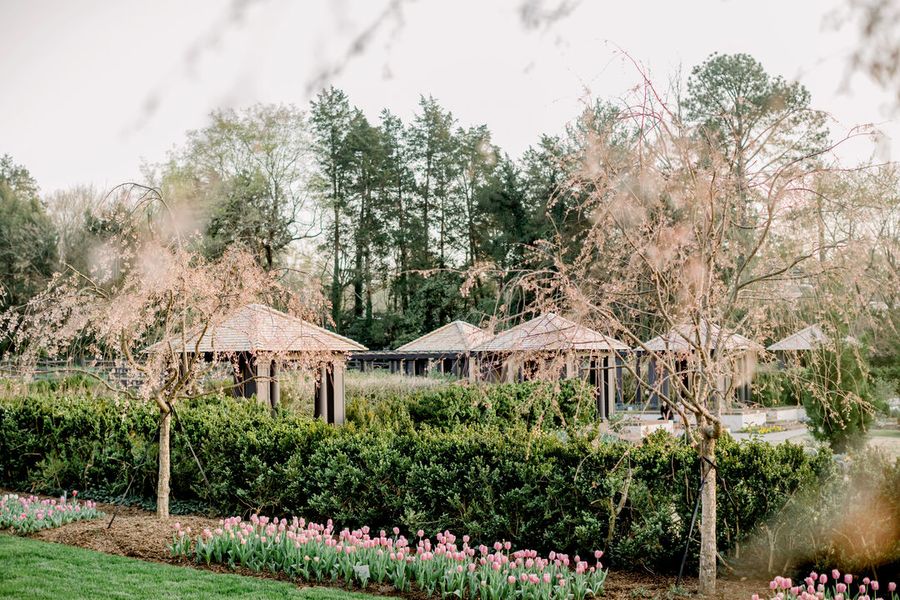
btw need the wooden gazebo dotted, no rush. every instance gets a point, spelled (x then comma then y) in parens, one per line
(259, 340)
(678, 346)
(804, 340)
(552, 346)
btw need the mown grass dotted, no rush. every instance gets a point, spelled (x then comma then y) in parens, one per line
(41, 570)
(887, 433)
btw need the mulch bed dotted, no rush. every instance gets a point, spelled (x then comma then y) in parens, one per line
(139, 534)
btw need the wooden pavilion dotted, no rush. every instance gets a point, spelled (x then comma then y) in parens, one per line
(677, 349)
(259, 340)
(551, 346)
(446, 350)
(804, 340)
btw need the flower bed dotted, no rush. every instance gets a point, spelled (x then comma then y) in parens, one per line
(27, 514)
(833, 586)
(318, 553)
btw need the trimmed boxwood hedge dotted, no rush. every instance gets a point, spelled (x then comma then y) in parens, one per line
(539, 489)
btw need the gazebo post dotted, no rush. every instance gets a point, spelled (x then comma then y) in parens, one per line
(610, 385)
(639, 379)
(321, 393)
(275, 387)
(571, 369)
(620, 387)
(330, 405)
(651, 381)
(337, 391)
(263, 380)
(665, 383)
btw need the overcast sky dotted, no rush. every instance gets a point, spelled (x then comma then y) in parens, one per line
(91, 88)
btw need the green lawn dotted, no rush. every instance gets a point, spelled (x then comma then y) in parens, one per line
(34, 570)
(888, 433)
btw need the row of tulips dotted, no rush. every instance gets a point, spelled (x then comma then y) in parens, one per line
(830, 586)
(318, 553)
(27, 514)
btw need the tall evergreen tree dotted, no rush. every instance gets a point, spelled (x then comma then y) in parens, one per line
(27, 236)
(331, 116)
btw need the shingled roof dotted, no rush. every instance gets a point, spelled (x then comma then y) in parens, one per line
(260, 328)
(550, 332)
(455, 337)
(805, 339)
(684, 338)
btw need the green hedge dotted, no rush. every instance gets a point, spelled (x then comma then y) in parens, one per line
(540, 490)
(534, 405)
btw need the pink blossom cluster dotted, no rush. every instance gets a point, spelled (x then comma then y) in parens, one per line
(27, 514)
(830, 586)
(446, 565)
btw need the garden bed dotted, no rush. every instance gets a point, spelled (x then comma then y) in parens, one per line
(738, 420)
(139, 534)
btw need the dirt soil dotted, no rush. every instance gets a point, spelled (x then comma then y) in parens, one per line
(138, 534)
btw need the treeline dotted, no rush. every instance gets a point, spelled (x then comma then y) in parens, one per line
(410, 208)
(407, 224)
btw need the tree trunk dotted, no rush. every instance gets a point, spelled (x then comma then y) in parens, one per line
(708, 553)
(336, 291)
(165, 466)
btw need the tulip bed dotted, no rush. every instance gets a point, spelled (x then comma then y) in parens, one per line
(833, 586)
(318, 553)
(27, 514)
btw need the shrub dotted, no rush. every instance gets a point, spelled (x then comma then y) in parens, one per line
(777, 387)
(850, 520)
(542, 405)
(839, 400)
(539, 489)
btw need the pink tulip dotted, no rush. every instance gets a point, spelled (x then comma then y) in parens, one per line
(875, 585)
(835, 574)
(511, 580)
(848, 578)
(892, 587)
